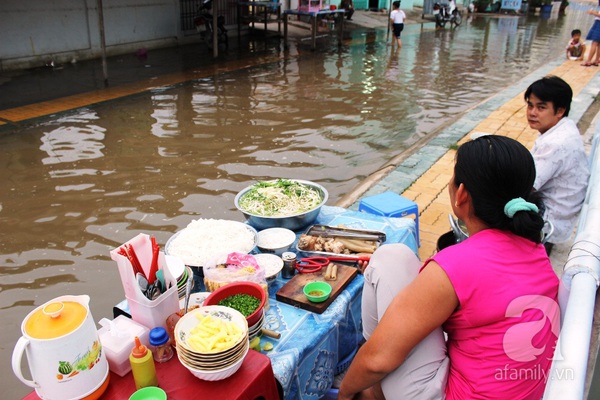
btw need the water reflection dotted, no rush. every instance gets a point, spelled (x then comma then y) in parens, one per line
(165, 114)
(79, 185)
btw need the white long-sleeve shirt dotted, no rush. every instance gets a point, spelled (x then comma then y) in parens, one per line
(562, 174)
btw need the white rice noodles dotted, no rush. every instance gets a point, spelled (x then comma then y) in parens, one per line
(204, 239)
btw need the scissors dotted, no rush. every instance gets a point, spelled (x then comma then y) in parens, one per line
(309, 265)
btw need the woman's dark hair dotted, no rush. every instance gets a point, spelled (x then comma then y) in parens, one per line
(494, 170)
(554, 90)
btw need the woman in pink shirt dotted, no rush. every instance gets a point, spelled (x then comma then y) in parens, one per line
(480, 319)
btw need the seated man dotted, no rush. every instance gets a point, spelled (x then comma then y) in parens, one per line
(347, 5)
(562, 170)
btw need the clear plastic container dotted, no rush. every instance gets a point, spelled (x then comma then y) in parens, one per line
(117, 338)
(160, 344)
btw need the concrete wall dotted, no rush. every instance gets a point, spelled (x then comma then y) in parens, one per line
(34, 32)
(384, 4)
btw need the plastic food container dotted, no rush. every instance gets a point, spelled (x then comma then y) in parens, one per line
(117, 338)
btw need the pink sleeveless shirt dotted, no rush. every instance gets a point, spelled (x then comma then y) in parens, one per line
(502, 336)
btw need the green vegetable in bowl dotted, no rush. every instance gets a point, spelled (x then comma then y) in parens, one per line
(280, 198)
(244, 303)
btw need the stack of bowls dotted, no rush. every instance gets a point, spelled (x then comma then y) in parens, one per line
(181, 272)
(211, 365)
(256, 319)
(254, 330)
(182, 280)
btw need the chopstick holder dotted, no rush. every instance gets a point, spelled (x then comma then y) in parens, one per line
(150, 313)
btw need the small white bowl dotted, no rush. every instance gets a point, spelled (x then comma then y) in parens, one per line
(275, 240)
(272, 264)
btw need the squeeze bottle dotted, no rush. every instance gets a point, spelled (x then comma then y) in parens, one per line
(142, 366)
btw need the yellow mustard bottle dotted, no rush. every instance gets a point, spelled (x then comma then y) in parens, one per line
(142, 366)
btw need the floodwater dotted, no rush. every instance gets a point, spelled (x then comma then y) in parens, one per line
(80, 184)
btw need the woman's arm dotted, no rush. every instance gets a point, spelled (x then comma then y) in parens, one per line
(421, 307)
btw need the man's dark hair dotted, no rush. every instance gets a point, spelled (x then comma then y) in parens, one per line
(552, 89)
(575, 32)
(396, 4)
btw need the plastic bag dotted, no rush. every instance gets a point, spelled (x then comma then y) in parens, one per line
(234, 267)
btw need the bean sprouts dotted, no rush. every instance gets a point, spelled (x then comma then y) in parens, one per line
(280, 198)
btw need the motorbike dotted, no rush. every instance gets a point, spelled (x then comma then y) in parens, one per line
(443, 15)
(204, 24)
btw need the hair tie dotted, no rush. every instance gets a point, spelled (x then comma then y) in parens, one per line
(519, 204)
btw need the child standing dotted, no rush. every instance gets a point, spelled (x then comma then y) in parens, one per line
(397, 17)
(576, 47)
(594, 36)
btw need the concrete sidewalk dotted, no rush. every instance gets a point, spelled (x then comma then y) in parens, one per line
(423, 176)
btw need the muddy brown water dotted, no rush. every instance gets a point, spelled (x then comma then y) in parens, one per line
(79, 184)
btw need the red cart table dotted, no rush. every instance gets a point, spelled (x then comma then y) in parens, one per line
(253, 380)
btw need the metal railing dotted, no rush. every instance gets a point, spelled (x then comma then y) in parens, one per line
(581, 278)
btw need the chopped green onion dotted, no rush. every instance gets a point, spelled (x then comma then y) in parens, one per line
(244, 303)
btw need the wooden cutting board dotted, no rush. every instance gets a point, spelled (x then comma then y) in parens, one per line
(292, 292)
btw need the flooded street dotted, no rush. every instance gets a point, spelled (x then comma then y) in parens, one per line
(80, 184)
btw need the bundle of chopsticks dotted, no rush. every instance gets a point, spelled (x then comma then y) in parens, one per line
(128, 251)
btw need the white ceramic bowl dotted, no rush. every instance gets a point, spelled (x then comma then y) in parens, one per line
(275, 240)
(218, 374)
(271, 264)
(196, 300)
(190, 320)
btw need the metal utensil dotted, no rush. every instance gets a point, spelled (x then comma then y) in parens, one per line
(332, 231)
(188, 291)
(150, 291)
(458, 232)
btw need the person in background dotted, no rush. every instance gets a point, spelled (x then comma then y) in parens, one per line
(576, 47)
(451, 6)
(397, 17)
(471, 8)
(594, 36)
(485, 292)
(348, 5)
(437, 14)
(560, 160)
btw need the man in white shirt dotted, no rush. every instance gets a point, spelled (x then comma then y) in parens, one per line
(562, 170)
